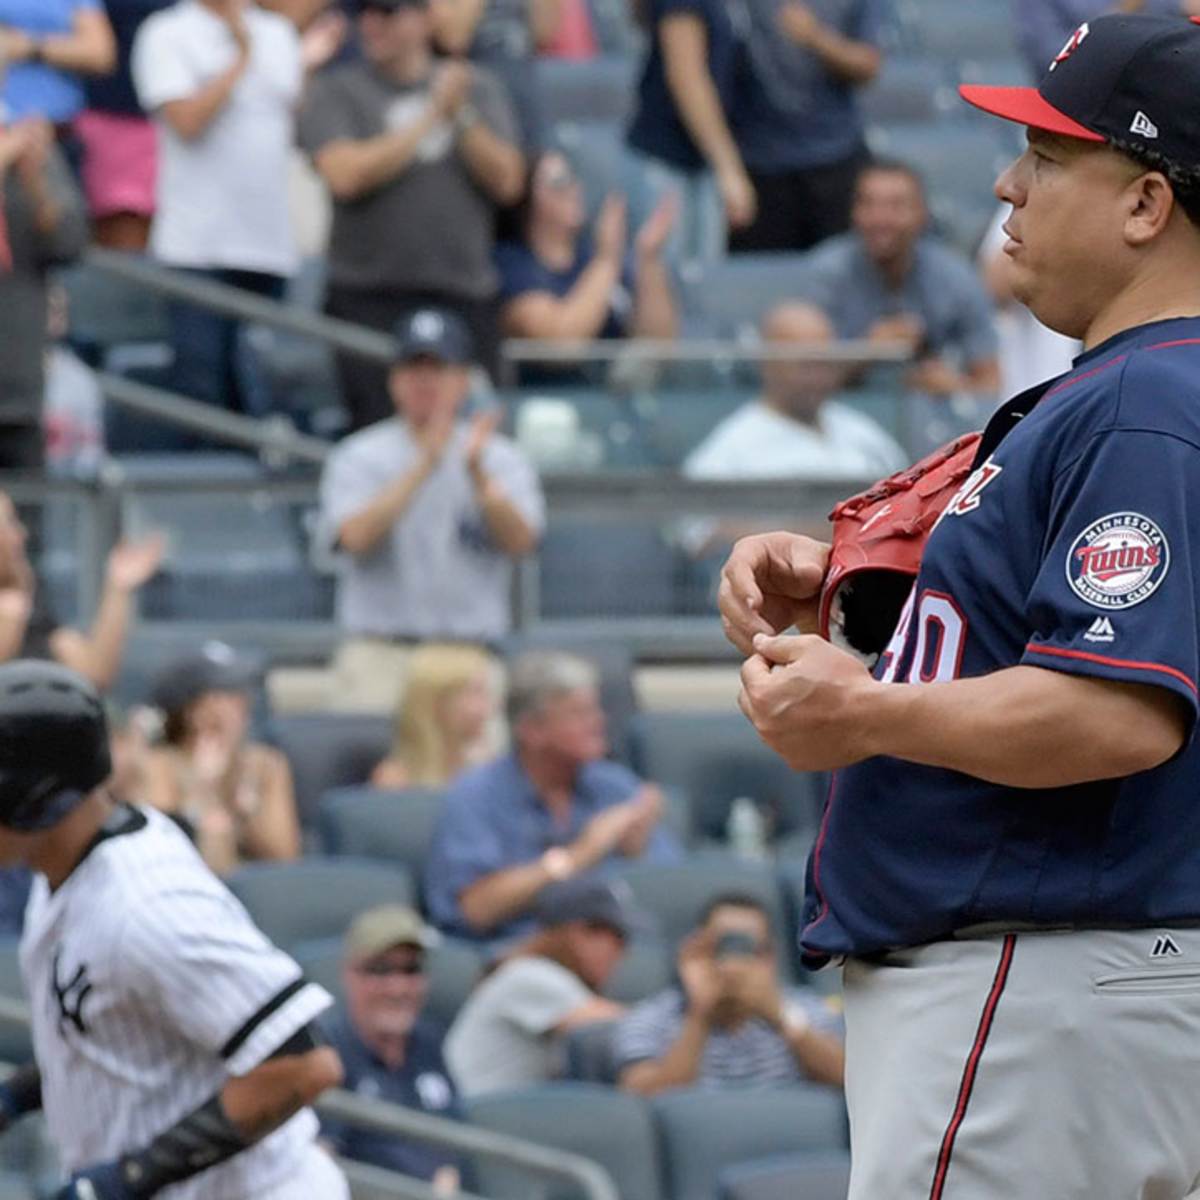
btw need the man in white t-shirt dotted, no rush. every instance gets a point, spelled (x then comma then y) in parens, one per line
(794, 430)
(222, 79)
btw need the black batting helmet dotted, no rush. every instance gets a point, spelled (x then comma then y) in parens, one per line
(53, 743)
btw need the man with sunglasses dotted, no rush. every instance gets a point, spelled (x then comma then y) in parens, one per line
(730, 1022)
(389, 1050)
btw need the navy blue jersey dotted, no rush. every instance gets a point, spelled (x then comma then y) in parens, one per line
(1074, 546)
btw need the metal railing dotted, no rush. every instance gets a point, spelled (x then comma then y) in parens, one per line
(374, 1183)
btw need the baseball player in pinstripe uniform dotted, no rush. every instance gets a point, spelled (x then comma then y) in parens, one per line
(1009, 860)
(175, 1055)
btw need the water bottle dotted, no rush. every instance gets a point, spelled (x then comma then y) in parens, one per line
(745, 831)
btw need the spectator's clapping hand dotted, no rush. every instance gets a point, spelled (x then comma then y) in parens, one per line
(935, 377)
(738, 196)
(652, 237)
(698, 974)
(323, 38)
(451, 87)
(434, 436)
(650, 803)
(906, 328)
(611, 228)
(483, 426)
(131, 564)
(233, 13)
(16, 46)
(799, 22)
(605, 832)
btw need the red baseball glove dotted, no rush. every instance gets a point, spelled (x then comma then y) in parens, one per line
(878, 539)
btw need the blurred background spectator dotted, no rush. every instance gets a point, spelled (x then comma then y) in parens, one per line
(511, 1032)
(796, 118)
(221, 79)
(553, 808)
(390, 1049)
(428, 510)
(232, 795)
(48, 47)
(892, 280)
(418, 155)
(119, 144)
(443, 718)
(560, 283)
(46, 226)
(730, 1021)
(28, 626)
(680, 127)
(796, 430)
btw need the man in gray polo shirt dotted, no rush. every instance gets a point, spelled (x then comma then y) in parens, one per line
(428, 512)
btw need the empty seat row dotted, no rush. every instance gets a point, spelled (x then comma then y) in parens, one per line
(693, 1144)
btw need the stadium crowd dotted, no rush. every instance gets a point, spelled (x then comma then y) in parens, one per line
(563, 900)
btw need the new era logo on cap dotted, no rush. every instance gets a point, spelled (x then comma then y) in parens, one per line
(1143, 126)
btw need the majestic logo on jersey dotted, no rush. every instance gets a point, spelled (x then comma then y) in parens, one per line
(1101, 630)
(1118, 561)
(967, 498)
(70, 993)
(1073, 43)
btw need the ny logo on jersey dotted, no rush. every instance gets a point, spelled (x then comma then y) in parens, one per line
(967, 498)
(70, 995)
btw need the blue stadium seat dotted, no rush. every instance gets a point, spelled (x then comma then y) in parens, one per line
(598, 89)
(678, 420)
(329, 750)
(590, 1053)
(610, 1127)
(729, 298)
(396, 826)
(952, 30)
(605, 569)
(604, 417)
(454, 969)
(675, 895)
(293, 902)
(232, 555)
(705, 1131)
(105, 311)
(815, 1175)
(16, 1041)
(716, 757)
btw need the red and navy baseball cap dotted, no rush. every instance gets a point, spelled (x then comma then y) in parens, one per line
(1133, 79)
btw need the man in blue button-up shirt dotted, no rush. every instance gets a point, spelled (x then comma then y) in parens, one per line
(553, 808)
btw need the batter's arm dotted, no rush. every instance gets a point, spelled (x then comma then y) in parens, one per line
(246, 1110)
(1024, 726)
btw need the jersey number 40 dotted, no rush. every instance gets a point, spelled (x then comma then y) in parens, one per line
(941, 636)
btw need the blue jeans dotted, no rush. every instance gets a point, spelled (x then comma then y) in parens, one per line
(212, 363)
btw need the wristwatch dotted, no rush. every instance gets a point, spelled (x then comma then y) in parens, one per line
(558, 863)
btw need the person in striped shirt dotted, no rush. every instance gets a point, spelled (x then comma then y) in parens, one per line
(731, 1022)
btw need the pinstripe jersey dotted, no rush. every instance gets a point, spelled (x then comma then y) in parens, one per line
(149, 986)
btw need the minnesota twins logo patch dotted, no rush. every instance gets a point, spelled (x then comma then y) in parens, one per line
(1118, 561)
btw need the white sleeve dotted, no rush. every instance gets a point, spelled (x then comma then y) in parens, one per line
(346, 488)
(216, 979)
(160, 70)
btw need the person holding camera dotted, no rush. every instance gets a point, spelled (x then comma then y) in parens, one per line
(730, 1021)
